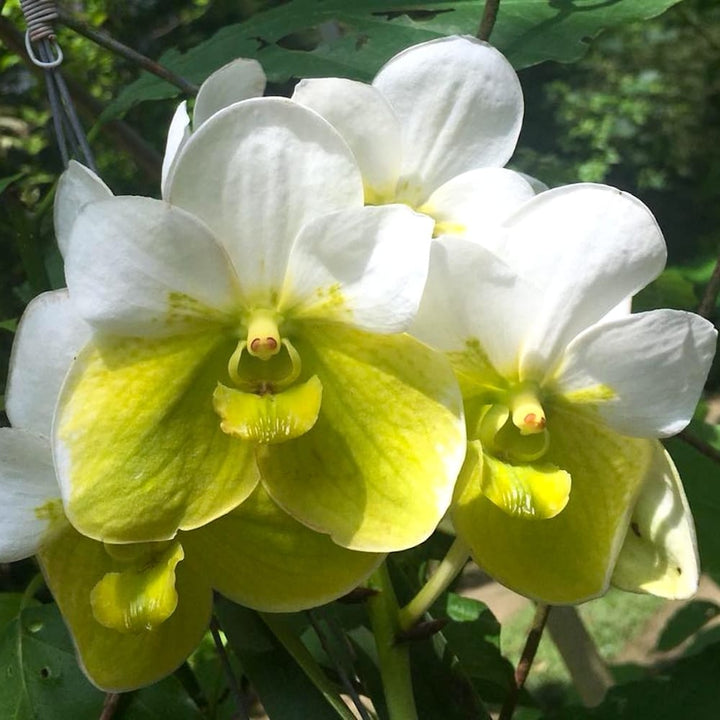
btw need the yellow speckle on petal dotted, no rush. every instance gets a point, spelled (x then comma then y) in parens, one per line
(51, 511)
(594, 394)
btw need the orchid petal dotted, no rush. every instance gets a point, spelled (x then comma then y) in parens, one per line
(587, 247)
(260, 557)
(256, 172)
(239, 80)
(360, 113)
(30, 506)
(120, 661)
(659, 555)
(652, 366)
(474, 307)
(475, 203)
(570, 557)
(178, 133)
(365, 266)
(77, 187)
(48, 338)
(128, 269)
(136, 428)
(375, 474)
(460, 107)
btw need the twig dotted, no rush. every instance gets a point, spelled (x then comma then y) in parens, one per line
(128, 53)
(707, 304)
(227, 669)
(526, 660)
(110, 706)
(488, 19)
(700, 445)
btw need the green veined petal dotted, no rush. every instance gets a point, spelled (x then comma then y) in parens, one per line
(377, 470)
(261, 557)
(137, 443)
(567, 558)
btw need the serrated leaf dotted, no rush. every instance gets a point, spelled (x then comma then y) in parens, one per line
(41, 679)
(686, 622)
(354, 39)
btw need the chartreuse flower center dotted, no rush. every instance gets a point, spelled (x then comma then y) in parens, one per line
(509, 429)
(140, 594)
(267, 403)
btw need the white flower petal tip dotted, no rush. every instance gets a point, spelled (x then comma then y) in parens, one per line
(178, 133)
(239, 80)
(77, 187)
(659, 555)
(653, 366)
(29, 495)
(391, 244)
(48, 338)
(460, 105)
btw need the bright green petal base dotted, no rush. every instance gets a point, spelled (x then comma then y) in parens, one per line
(568, 558)
(138, 445)
(378, 468)
(117, 661)
(258, 556)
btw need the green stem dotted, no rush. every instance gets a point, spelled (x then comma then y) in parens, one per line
(489, 17)
(445, 573)
(394, 659)
(305, 660)
(35, 584)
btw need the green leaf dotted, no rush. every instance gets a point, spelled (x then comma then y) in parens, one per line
(166, 699)
(283, 687)
(10, 604)
(41, 679)
(316, 38)
(9, 325)
(686, 622)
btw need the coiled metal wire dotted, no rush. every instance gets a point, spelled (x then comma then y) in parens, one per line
(40, 16)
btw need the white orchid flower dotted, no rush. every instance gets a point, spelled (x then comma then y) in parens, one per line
(433, 131)
(249, 328)
(558, 404)
(136, 611)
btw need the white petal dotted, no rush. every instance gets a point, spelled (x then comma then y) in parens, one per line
(472, 298)
(49, 336)
(256, 172)
(654, 364)
(659, 555)
(139, 266)
(367, 123)
(460, 106)
(475, 203)
(366, 267)
(587, 247)
(238, 80)
(77, 187)
(29, 493)
(178, 133)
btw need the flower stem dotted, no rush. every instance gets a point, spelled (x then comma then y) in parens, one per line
(394, 659)
(305, 660)
(33, 586)
(233, 683)
(445, 573)
(488, 19)
(526, 660)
